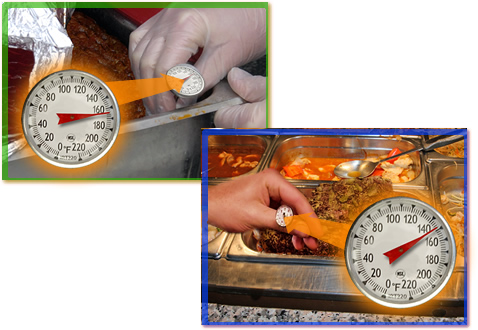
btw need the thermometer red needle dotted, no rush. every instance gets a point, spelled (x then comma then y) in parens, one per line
(396, 253)
(69, 117)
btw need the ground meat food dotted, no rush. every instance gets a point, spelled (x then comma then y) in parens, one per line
(340, 201)
(104, 55)
(20, 66)
(273, 241)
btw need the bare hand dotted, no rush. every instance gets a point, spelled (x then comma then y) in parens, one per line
(248, 203)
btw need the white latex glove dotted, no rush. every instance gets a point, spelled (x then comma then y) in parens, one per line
(229, 37)
(249, 115)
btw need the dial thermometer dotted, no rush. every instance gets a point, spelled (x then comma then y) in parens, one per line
(70, 118)
(400, 252)
(193, 81)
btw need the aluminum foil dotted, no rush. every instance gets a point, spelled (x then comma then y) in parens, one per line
(15, 143)
(42, 31)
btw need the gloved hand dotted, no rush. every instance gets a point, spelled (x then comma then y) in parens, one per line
(229, 37)
(250, 115)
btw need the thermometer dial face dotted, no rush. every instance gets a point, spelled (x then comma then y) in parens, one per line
(70, 119)
(193, 81)
(400, 252)
(282, 212)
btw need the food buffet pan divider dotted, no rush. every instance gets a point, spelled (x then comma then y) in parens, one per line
(288, 147)
(432, 156)
(242, 246)
(447, 176)
(215, 248)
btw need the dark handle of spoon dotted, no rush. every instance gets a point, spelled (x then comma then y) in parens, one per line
(441, 141)
(437, 142)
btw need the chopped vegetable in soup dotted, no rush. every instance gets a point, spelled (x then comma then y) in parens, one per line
(229, 163)
(400, 169)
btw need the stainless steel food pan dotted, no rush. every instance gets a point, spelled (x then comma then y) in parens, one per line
(240, 142)
(448, 178)
(347, 147)
(216, 246)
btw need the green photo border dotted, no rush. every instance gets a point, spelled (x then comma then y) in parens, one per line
(7, 5)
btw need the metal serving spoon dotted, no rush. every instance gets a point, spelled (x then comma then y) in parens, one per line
(363, 168)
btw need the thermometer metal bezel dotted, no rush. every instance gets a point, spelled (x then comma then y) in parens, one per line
(115, 110)
(196, 71)
(355, 277)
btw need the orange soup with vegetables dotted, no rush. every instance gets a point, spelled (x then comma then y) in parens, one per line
(232, 162)
(400, 169)
(312, 168)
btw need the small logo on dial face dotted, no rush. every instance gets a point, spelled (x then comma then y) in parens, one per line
(70, 137)
(400, 273)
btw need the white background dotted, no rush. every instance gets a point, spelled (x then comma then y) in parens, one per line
(126, 255)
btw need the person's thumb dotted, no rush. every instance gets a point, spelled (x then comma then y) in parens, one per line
(250, 88)
(249, 115)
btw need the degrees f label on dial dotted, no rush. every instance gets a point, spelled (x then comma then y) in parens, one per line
(400, 252)
(70, 118)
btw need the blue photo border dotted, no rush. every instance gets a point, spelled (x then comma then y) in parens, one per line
(335, 131)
